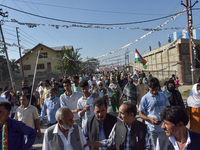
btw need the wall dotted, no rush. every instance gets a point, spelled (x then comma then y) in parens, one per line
(174, 61)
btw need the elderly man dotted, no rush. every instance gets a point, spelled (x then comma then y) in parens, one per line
(130, 91)
(65, 135)
(150, 108)
(127, 134)
(12, 131)
(99, 126)
(178, 137)
(101, 91)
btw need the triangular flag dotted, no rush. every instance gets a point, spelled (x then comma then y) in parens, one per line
(140, 59)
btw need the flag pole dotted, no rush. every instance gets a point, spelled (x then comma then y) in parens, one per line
(34, 76)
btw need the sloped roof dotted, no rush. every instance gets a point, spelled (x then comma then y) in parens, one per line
(56, 49)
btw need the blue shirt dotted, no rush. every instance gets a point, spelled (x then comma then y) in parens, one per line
(149, 106)
(16, 132)
(101, 134)
(52, 106)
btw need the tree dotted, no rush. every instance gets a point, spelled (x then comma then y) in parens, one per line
(3, 68)
(14, 65)
(71, 63)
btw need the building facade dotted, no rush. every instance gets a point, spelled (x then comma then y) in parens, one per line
(46, 62)
(174, 61)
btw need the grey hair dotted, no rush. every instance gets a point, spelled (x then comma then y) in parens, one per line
(60, 113)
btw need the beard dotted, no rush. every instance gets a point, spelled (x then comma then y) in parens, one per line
(100, 119)
(66, 127)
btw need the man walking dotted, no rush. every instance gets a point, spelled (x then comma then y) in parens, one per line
(150, 108)
(28, 114)
(70, 99)
(127, 134)
(65, 135)
(46, 91)
(130, 91)
(51, 104)
(12, 131)
(99, 126)
(85, 103)
(178, 137)
(75, 86)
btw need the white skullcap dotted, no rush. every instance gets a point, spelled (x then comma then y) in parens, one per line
(99, 82)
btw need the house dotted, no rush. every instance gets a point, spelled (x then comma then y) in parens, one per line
(174, 61)
(47, 61)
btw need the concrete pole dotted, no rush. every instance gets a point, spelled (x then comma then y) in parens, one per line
(22, 66)
(8, 62)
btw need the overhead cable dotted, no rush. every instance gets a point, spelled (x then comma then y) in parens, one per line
(136, 22)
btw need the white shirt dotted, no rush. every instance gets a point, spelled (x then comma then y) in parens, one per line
(82, 102)
(66, 141)
(27, 115)
(3, 99)
(71, 101)
(40, 90)
(101, 93)
(174, 143)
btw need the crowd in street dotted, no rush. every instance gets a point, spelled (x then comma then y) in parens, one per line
(76, 108)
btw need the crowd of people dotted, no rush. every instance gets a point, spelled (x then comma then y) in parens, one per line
(76, 108)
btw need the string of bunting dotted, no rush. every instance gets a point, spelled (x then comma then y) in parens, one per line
(130, 42)
(8, 44)
(168, 47)
(33, 25)
(173, 18)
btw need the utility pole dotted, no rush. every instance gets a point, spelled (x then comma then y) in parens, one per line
(22, 66)
(190, 22)
(5, 49)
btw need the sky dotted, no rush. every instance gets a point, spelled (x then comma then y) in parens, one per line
(93, 41)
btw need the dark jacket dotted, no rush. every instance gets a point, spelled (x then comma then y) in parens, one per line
(165, 144)
(93, 128)
(138, 134)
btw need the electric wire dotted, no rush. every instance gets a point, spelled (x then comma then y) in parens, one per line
(22, 39)
(57, 31)
(28, 35)
(126, 23)
(88, 9)
(40, 27)
(29, 38)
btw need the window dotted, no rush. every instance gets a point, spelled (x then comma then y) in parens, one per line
(40, 66)
(27, 67)
(43, 55)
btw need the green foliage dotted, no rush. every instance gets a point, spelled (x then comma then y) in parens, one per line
(3, 67)
(185, 93)
(70, 67)
(13, 65)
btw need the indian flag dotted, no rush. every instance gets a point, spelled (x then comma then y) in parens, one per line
(104, 70)
(115, 68)
(136, 73)
(140, 59)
